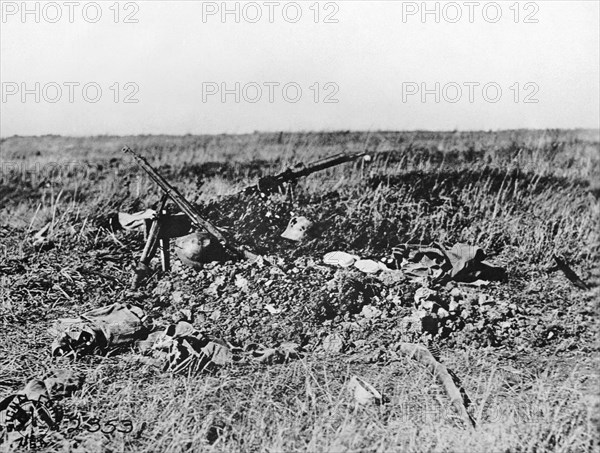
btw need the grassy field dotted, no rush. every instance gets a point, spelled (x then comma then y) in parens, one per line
(529, 363)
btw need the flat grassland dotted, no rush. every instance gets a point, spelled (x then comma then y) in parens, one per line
(526, 350)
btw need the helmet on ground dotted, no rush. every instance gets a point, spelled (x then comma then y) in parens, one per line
(297, 228)
(199, 248)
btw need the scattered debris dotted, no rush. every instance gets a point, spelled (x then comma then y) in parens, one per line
(370, 312)
(341, 259)
(563, 265)
(271, 309)
(432, 264)
(391, 277)
(370, 266)
(215, 287)
(241, 282)
(113, 326)
(135, 220)
(42, 235)
(333, 343)
(184, 349)
(177, 298)
(281, 354)
(163, 288)
(449, 380)
(364, 393)
(344, 302)
(426, 298)
(463, 262)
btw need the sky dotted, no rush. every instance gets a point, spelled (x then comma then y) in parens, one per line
(196, 67)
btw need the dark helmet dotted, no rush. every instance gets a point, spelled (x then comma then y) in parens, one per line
(198, 248)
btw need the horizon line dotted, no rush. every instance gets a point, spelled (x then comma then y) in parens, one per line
(316, 131)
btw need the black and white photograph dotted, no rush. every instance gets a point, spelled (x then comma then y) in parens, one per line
(300, 226)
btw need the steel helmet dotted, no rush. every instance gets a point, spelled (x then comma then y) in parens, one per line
(199, 248)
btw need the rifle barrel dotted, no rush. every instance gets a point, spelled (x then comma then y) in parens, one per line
(290, 174)
(327, 162)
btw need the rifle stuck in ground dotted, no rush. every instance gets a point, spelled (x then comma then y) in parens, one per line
(563, 265)
(157, 224)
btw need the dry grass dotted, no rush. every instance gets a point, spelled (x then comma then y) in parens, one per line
(523, 195)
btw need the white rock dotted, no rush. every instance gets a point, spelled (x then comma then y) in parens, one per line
(364, 393)
(453, 305)
(427, 304)
(271, 309)
(370, 266)
(341, 259)
(333, 343)
(456, 293)
(442, 313)
(241, 282)
(419, 314)
(369, 311)
(425, 294)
